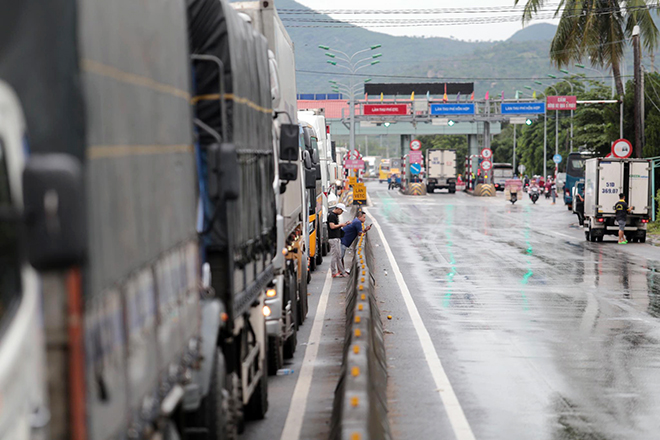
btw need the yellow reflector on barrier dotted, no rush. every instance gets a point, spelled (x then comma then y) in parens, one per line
(355, 401)
(356, 349)
(357, 319)
(363, 297)
(364, 272)
(355, 371)
(356, 436)
(361, 287)
(358, 333)
(360, 307)
(362, 280)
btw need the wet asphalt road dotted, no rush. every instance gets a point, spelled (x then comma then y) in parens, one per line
(541, 334)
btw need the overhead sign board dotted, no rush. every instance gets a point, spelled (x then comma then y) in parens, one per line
(354, 164)
(522, 108)
(386, 109)
(621, 148)
(453, 109)
(415, 144)
(416, 157)
(562, 102)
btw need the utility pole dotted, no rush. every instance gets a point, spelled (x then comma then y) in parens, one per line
(545, 144)
(514, 148)
(639, 95)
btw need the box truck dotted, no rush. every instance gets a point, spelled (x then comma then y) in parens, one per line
(440, 170)
(605, 179)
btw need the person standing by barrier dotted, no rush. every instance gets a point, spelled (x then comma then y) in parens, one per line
(335, 234)
(355, 228)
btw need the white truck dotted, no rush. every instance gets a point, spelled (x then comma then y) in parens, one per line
(288, 297)
(605, 179)
(316, 118)
(440, 170)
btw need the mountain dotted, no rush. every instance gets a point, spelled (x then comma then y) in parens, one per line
(535, 32)
(507, 66)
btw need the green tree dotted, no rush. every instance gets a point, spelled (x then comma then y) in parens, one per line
(597, 29)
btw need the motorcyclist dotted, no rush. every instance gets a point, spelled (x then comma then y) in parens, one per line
(534, 192)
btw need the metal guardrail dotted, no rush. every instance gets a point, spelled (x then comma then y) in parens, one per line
(360, 403)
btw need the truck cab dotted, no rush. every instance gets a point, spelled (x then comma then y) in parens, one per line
(314, 197)
(23, 412)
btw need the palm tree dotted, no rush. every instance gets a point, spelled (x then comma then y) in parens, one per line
(597, 29)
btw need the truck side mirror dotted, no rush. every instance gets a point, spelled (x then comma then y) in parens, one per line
(333, 151)
(318, 172)
(55, 226)
(224, 179)
(315, 157)
(307, 160)
(288, 171)
(289, 142)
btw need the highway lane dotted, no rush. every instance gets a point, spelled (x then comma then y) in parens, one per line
(541, 334)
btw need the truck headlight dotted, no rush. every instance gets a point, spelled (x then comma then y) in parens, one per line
(266, 311)
(270, 293)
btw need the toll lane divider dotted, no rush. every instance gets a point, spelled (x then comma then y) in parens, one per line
(360, 403)
(346, 197)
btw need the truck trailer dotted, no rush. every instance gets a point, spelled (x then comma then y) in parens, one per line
(287, 299)
(440, 170)
(605, 179)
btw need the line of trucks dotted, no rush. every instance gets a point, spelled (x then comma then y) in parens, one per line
(162, 203)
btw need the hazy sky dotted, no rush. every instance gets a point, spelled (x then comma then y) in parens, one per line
(489, 31)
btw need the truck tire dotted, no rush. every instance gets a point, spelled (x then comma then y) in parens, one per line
(319, 251)
(642, 239)
(430, 189)
(258, 404)
(592, 237)
(312, 262)
(213, 415)
(275, 354)
(290, 344)
(586, 234)
(452, 189)
(293, 293)
(302, 293)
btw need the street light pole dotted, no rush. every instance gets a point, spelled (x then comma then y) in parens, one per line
(353, 67)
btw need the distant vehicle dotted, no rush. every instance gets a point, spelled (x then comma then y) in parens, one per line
(314, 197)
(441, 170)
(605, 179)
(501, 173)
(383, 170)
(574, 172)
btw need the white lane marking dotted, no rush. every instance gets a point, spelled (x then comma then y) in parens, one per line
(296, 415)
(455, 413)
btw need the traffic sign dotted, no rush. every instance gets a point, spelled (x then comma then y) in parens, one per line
(453, 109)
(486, 153)
(415, 145)
(354, 164)
(621, 148)
(415, 168)
(557, 158)
(359, 194)
(386, 109)
(521, 168)
(416, 157)
(354, 154)
(486, 165)
(522, 108)
(352, 180)
(562, 102)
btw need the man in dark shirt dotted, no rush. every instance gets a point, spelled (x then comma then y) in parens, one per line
(353, 230)
(334, 238)
(621, 208)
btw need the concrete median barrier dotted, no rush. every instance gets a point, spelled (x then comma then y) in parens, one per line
(485, 190)
(415, 189)
(360, 403)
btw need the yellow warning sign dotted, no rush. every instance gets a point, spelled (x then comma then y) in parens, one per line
(359, 194)
(352, 180)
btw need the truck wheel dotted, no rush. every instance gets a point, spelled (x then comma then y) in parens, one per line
(302, 292)
(213, 415)
(592, 237)
(290, 344)
(430, 189)
(293, 290)
(312, 262)
(258, 404)
(600, 239)
(275, 354)
(325, 247)
(586, 235)
(642, 239)
(452, 189)
(319, 251)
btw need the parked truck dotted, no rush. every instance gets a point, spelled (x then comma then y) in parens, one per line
(108, 214)
(440, 170)
(287, 299)
(605, 179)
(151, 222)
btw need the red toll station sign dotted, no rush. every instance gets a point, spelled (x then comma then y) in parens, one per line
(386, 109)
(562, 102)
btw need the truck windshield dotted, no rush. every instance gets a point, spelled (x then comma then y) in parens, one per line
(10, 280)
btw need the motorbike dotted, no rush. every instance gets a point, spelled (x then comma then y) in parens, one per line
(511, 189)
(534, 193)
